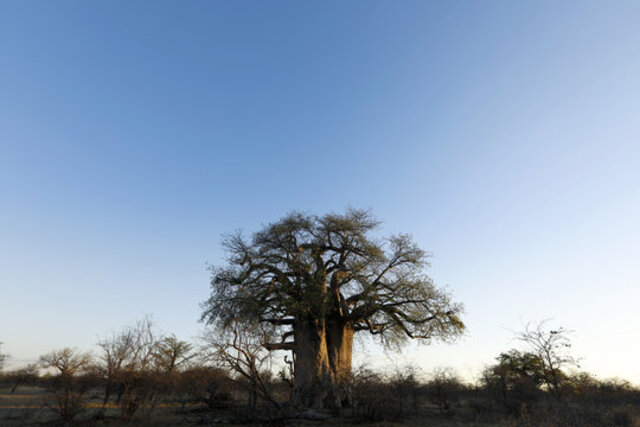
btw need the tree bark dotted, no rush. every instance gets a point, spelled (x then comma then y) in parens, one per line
(323, 354)
(313, 378)
(340, 348)
(322, 364)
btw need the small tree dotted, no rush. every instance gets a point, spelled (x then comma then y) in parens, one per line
(116, 349)
(201, 383)
(551, 346)
(406, 387)
(66, 362)
(371, 395)
(444, 389)
(127, 363)
(20, 376)
(240, 349)
(3, 357)
(66, 390)
(171, 354)
(515, 379)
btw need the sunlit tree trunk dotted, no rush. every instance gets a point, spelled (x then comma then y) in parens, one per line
(323, 363)
(340, 347)
(314, 381)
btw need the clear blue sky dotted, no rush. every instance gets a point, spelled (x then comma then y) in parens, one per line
(505, 136)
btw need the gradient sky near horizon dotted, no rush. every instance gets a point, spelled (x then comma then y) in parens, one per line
(504, 136)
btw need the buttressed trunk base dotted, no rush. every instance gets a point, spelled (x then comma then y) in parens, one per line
(322, 365)
(340, 346)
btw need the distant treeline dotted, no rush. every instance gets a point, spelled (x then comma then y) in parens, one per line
(137, 374)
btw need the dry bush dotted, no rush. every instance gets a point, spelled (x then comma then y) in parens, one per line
(69, 383)
(204, 384)
(128, 368)
(609, 402)
(370, 395)
(240, 349)
(514, 383)
(378, 397)
(586, 401)
(552, 347)
(444, 390)
(407, 389)
(26, 375)
(624, 416)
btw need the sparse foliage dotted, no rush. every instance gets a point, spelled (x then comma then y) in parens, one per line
(443, 389)
(200, 383)
(552, 348)
(127, 363)
(240, 349)
(515, 380)
(371, 395)
(172, 354)
(66, 362)
(21, 376)
(66, 387)
(391, 396)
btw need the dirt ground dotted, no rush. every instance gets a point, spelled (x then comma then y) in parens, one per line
(27, 407)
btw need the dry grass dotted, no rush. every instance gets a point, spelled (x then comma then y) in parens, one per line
(26, 408)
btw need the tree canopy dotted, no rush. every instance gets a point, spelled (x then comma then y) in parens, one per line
(328, 276)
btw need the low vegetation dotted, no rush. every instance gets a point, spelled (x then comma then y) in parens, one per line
(303, 287)
(138, 376)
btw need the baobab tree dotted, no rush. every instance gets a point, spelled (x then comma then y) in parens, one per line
(315, 281)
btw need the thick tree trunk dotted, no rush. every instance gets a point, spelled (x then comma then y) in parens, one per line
(323, 350)
(340, 348)
(313, 377)
(322, 367)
